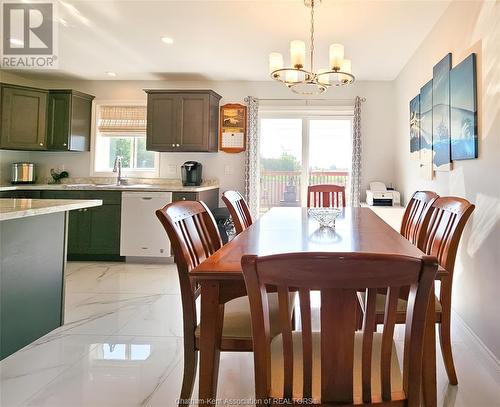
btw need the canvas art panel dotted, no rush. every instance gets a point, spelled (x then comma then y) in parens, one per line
(463, 100)
(441, 142)
(426, 152)
(415, 128)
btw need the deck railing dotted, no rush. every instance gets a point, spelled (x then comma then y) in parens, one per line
(282, 188)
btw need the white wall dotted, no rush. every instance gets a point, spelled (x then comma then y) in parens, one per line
(377, 125)
(464, 28)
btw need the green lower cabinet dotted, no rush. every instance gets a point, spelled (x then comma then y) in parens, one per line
(93, 233)
(104, 229)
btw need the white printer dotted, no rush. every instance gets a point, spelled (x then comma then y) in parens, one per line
(379, 195)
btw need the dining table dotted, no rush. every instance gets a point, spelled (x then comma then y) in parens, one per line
(289, 230)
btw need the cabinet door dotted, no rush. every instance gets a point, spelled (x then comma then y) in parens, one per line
(194, 122)
(78, 232)
(163, 124)
(104, 229)
(23, 119)
(59, 118)
(81, 122)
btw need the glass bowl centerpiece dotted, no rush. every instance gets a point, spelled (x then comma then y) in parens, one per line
(324, 216)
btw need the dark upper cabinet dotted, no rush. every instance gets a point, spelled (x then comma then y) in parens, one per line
(183, 120)
(69, 120)
(38, 119)
(23, 118)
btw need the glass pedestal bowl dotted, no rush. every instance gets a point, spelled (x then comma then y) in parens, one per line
(324, 216)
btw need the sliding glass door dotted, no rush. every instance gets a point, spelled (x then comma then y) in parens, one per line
(301, 150)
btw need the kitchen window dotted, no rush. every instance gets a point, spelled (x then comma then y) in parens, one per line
(121, 131)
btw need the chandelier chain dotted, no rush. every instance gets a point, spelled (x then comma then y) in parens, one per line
(312, 36)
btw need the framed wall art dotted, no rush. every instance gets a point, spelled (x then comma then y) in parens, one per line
(463, 111)
(233, 128)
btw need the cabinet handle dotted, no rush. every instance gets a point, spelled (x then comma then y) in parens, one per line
(64, 144)
(146, 198)
(85, 210)
(183, 198)
(41, 144)
(173, 145)
(178, 145)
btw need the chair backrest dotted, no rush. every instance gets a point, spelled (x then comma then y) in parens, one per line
(413, 217)
(338, 276)
(326, 196)
(193, 236)
(442, 229)
(238, 209)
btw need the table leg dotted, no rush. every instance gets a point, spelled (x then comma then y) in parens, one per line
(212, 316)
(429, 380)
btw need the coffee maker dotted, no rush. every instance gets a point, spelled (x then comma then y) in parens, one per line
(191, 173)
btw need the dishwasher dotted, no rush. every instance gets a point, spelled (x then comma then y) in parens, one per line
(142, 234)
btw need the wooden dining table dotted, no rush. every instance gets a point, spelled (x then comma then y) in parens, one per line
(288, 230)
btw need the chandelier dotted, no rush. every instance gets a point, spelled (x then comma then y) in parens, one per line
(308, 82)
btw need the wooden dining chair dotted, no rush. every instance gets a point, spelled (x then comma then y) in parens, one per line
(238, 208)
(326, 196)
(194, 236)
(442, 228)
(338, 365)
(411, 226)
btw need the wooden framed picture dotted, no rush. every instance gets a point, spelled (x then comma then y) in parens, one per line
(233, 128)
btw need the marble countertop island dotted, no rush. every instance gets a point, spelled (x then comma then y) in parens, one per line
(14, 208)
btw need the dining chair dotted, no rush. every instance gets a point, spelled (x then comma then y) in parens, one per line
(413, 217)
(338, 365)
(238, 208)
(442, 228)
(194, 236)
(326, 195)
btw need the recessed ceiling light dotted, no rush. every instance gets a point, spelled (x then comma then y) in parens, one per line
(167, 40)
(111, 73)
(15, 41)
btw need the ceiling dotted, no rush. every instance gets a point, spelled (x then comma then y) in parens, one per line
(231, 40)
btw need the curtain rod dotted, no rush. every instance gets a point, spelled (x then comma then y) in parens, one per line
(363, 99)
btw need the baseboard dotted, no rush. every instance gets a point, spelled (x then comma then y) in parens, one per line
(475, 343)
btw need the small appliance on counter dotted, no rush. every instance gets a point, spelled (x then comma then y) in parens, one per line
(191, 173)
(380, 195)
(23, 173)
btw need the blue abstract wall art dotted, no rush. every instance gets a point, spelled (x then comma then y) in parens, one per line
(463, 101)
(441, 142)
(415, 128)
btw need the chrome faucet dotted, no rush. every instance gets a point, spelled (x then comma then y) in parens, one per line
(118, 169)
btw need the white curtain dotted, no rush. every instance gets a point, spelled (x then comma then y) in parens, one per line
(356, 155)
(252, 156)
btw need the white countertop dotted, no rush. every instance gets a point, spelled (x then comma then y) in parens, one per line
(20, 208)
(107, 187)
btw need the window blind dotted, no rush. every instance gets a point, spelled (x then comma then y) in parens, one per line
(121, 120)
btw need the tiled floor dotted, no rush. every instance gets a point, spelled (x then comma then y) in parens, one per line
(122, 346)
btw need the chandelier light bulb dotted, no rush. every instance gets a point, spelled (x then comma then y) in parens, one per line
(292, 77)
(275, 61)
(336, 56)
(297, 53)
(347, 68)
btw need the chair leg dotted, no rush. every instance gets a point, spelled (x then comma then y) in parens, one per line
(190, 367)
(445, 342)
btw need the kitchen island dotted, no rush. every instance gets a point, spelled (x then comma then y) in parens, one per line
(33, 242)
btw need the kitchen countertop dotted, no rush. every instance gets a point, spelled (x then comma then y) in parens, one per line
(108, 187)
(14, 208)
